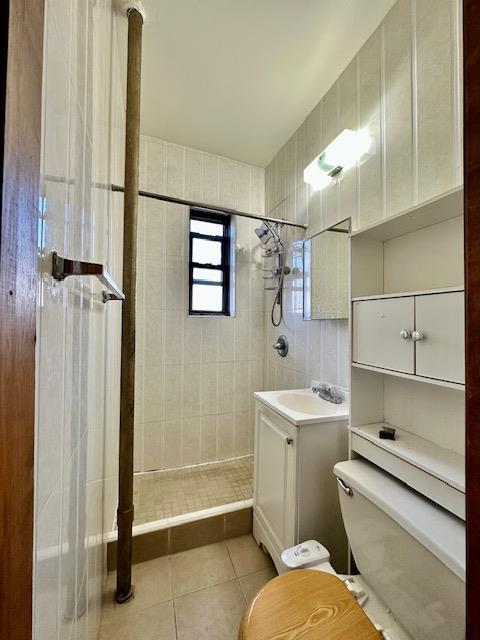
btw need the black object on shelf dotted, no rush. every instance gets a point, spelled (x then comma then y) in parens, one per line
(386, 433)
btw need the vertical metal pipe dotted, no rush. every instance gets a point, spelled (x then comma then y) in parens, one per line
(127, 386)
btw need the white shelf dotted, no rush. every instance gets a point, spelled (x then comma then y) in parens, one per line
(411, 376)
(445, 465)
(448, 205)
(434, 471)
(405, 294)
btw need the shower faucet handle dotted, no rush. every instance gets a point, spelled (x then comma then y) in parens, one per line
(281, 345)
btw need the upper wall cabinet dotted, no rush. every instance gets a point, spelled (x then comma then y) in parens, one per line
(407, 287)
(421, 335)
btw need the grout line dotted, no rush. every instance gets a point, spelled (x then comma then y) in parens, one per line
(231, 559)
(383, 129)
(242, 592)
(209, 586)
(175, 624)
(414, 100)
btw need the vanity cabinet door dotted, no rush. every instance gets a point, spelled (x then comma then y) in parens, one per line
(377, 333)
(274, 495)
(440, 336)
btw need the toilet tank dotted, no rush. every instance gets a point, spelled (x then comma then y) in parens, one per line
(409, 551)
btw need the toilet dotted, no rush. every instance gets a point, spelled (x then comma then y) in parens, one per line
(411, 557)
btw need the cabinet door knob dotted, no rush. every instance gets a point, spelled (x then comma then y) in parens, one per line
(417, 335)
(289, 440)
(405, 334)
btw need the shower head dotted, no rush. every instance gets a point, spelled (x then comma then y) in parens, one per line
(268, 231)
(264, 233)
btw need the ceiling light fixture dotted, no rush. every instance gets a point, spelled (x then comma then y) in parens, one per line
(342, 153)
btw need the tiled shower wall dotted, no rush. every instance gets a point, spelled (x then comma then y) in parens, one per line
(77, 335)
(195, 375)
(404, 86)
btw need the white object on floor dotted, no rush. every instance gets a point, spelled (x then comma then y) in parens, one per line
(305, 554)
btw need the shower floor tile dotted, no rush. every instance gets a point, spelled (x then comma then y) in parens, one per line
(164, 494)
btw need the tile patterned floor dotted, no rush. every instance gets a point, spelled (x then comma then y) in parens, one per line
(194, 595)
(163, 494)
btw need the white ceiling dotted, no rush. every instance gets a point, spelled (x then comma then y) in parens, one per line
(237, 77)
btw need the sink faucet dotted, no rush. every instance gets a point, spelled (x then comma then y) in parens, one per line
(329, 393)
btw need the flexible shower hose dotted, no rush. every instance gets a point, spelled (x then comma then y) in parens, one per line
(278, 300)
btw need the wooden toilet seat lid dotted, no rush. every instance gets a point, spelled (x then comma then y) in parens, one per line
(308, 605)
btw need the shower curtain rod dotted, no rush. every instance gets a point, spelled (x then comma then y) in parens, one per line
(207, 207)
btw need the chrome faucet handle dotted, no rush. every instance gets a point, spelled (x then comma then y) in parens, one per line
(328, 392)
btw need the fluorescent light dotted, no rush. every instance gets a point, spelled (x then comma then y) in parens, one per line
(341, 153)
(316, 176)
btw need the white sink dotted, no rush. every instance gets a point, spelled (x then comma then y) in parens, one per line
(301, 406)
(302, 402)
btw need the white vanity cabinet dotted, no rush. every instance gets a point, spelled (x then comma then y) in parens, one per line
(275, 476)
(295, 493)
(421, 335)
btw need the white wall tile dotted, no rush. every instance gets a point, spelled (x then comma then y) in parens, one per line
(173, 337)
(242, 187)
(211, 177)
(435, 96)
(173, 392)
(257, 190)
(227, 183)
(175, 171)
(301, 209)
(399, 160)
(154, 452)
(208, 438)
(157, 385)
(208, 388)
(370, 110)
(242, 428)
(225, 387)
(280, 183)
(191, 391)
(157, 336)
(225, 436)
(191, 442)
(173, 444)
(153, 228)
(347, 119)
(194, 175)
(156, 161)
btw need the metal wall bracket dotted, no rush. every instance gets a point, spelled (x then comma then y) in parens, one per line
(64, 267)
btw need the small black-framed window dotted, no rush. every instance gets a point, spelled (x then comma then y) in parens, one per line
(209, 263)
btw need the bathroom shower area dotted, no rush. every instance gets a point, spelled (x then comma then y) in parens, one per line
(212, 285)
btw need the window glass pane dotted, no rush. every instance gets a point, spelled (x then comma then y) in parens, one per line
(212, 275)
(206, 251)
(206, 297)
(207, 228)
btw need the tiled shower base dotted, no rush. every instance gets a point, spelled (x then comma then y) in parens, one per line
(160, 495)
